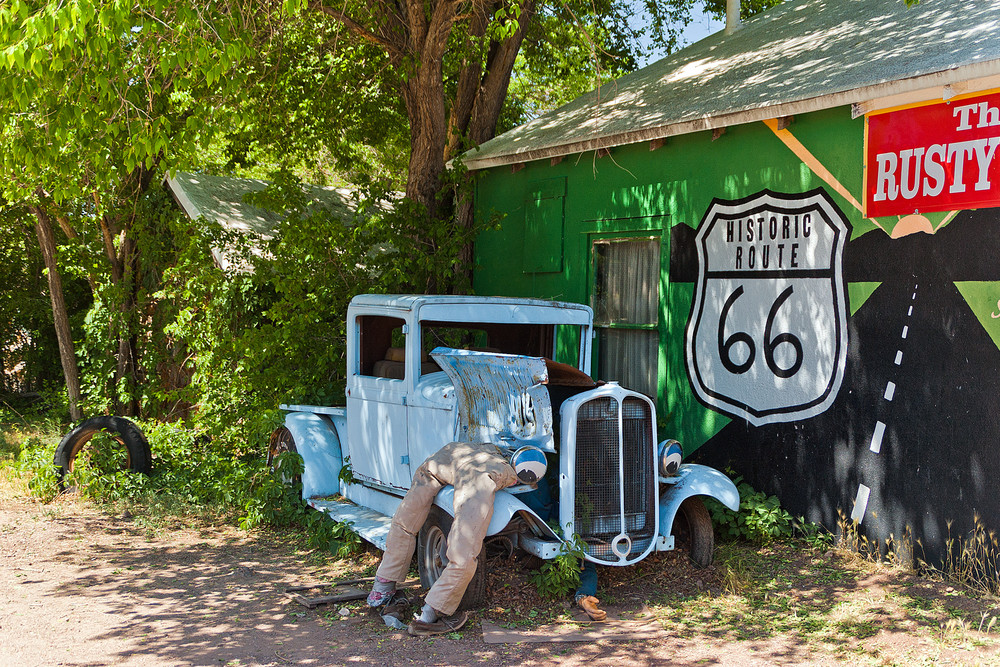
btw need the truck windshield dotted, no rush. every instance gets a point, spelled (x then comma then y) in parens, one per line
(557, 342)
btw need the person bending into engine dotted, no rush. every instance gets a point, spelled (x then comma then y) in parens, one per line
(477, 471)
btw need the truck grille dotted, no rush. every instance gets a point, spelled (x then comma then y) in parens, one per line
(604, 486)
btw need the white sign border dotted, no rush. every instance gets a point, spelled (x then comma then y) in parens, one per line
(817, 198)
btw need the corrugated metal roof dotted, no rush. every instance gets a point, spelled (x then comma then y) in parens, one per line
(220, 198)
(803, 55)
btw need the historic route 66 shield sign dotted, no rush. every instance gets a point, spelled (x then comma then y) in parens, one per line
(767, 338)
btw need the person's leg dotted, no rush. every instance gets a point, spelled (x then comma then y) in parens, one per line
(406, 523)
(586, 593)
(473, 511)
(588, 580)
(539, 500)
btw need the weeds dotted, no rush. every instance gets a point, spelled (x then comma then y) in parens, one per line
(760, 517)
(557, 577)
(194, 477)
(971, 561)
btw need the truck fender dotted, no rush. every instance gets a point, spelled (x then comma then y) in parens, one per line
(505, 506)
(695, 480)
(318, 443)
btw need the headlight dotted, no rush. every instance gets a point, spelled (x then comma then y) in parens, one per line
(529, 463)
(670, 457)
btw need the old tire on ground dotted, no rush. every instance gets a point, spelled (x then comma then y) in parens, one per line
(693, 531)
(138, 457)
(432, 548)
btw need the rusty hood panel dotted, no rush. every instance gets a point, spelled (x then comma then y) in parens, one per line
(501, 397)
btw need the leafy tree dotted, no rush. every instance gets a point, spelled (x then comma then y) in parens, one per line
(451, 62)
(95, 95)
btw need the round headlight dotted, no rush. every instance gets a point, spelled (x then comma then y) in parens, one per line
(529, 463)
(671, 455)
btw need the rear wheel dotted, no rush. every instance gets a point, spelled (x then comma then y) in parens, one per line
(432, 558)
(281, 441)
(693, 531)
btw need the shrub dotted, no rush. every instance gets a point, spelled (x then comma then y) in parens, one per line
(759, 519)
(559, 576)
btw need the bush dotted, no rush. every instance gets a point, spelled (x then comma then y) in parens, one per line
(759, 519)
(192, 474)
(557, 577)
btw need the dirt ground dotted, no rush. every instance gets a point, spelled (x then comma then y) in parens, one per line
(79, 587)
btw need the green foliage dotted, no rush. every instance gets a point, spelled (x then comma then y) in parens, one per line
(759, 519)
(282, 319)
(35, 460)
(192, 474)
(346, 474)
(90, 90)
(560, 575)
(277, 501)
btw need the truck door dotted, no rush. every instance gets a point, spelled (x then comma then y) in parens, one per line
(376, 403)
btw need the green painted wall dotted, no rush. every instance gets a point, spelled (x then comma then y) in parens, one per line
(635, 190)
(905, 443)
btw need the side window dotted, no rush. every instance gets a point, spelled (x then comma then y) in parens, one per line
(381, 347)
(626, 300)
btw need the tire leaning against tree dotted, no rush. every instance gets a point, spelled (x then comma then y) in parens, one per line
(139, 459)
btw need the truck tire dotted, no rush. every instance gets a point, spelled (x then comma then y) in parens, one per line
(693, 530)
(281, 441)
(432, 547)
(138, 457)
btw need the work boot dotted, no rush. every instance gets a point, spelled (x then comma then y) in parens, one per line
(589, 603)
(418, 628)
(398, 605)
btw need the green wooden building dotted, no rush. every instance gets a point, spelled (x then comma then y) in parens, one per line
(789, 238)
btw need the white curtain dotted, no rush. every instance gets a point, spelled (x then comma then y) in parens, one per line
(626, 310)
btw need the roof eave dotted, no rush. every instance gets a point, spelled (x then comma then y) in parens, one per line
(972, 77)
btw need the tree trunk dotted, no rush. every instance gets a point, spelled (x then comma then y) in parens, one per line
(127, 358)
(424, 97)
(67, 354)
(479, 123)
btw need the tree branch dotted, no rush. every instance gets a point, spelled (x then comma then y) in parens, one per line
(394, 50)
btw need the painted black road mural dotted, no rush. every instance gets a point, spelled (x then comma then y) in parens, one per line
(911, 445)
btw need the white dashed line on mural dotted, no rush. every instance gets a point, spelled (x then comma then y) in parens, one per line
(861, 500)
(876, 445)
(860, 503)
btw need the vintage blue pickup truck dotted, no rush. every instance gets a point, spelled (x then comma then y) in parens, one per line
(423, 371)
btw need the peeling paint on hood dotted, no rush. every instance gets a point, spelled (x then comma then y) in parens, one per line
(501, 397)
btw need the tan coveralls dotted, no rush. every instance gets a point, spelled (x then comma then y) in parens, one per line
(477, 471)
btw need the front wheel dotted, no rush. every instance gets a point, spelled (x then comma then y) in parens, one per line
(693, 531)
(432, 558)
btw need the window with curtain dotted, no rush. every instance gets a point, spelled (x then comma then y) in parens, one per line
(626, 302)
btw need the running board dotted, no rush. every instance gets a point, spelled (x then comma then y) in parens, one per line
(371, 525)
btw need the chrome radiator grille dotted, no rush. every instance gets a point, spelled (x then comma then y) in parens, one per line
(615, 480)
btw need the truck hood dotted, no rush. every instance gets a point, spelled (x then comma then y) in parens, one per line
(501, 398)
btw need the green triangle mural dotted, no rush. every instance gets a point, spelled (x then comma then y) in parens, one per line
(858, 293)
(984, 300)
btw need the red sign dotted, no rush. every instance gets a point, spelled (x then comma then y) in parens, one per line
(938, 157)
